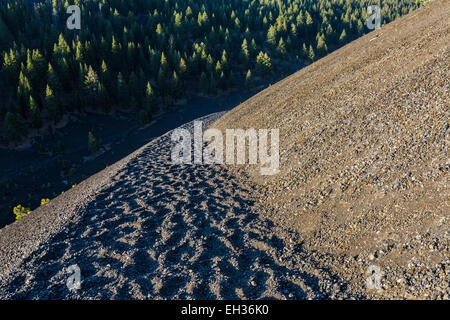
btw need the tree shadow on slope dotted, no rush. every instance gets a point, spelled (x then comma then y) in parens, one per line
(166, 232)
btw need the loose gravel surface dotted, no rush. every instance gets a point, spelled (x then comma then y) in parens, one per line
(364, 156)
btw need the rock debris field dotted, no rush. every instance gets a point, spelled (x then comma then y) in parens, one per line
(364, 156)
(359, 210)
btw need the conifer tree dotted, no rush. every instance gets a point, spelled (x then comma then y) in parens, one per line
(23, 94)
(91, 85)
(281, 48)
(182, 68)
(245, 56)
(263, 64)
(272, 36)
(321, 46)
(35, 114)
(249, 81)
(11, 65)
(177, 86)
(53, 105)
(52, 78)
(343, 36)
(105, 76)
(150, 99)
(103, 97)
(311, 53)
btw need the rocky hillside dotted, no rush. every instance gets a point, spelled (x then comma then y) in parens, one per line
(364, 154)
(359, 209)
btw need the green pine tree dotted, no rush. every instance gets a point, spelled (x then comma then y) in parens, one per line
(35, 114)
(311, 53)
(249, 81)
(53, 105)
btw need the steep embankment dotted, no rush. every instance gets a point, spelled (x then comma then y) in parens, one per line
(363, 184)
(364, 154)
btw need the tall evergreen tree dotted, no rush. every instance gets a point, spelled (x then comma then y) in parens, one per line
(91, 85)
(249, 81)
(53, 105)
(272, 36)
(35, 114)
(150, 99)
